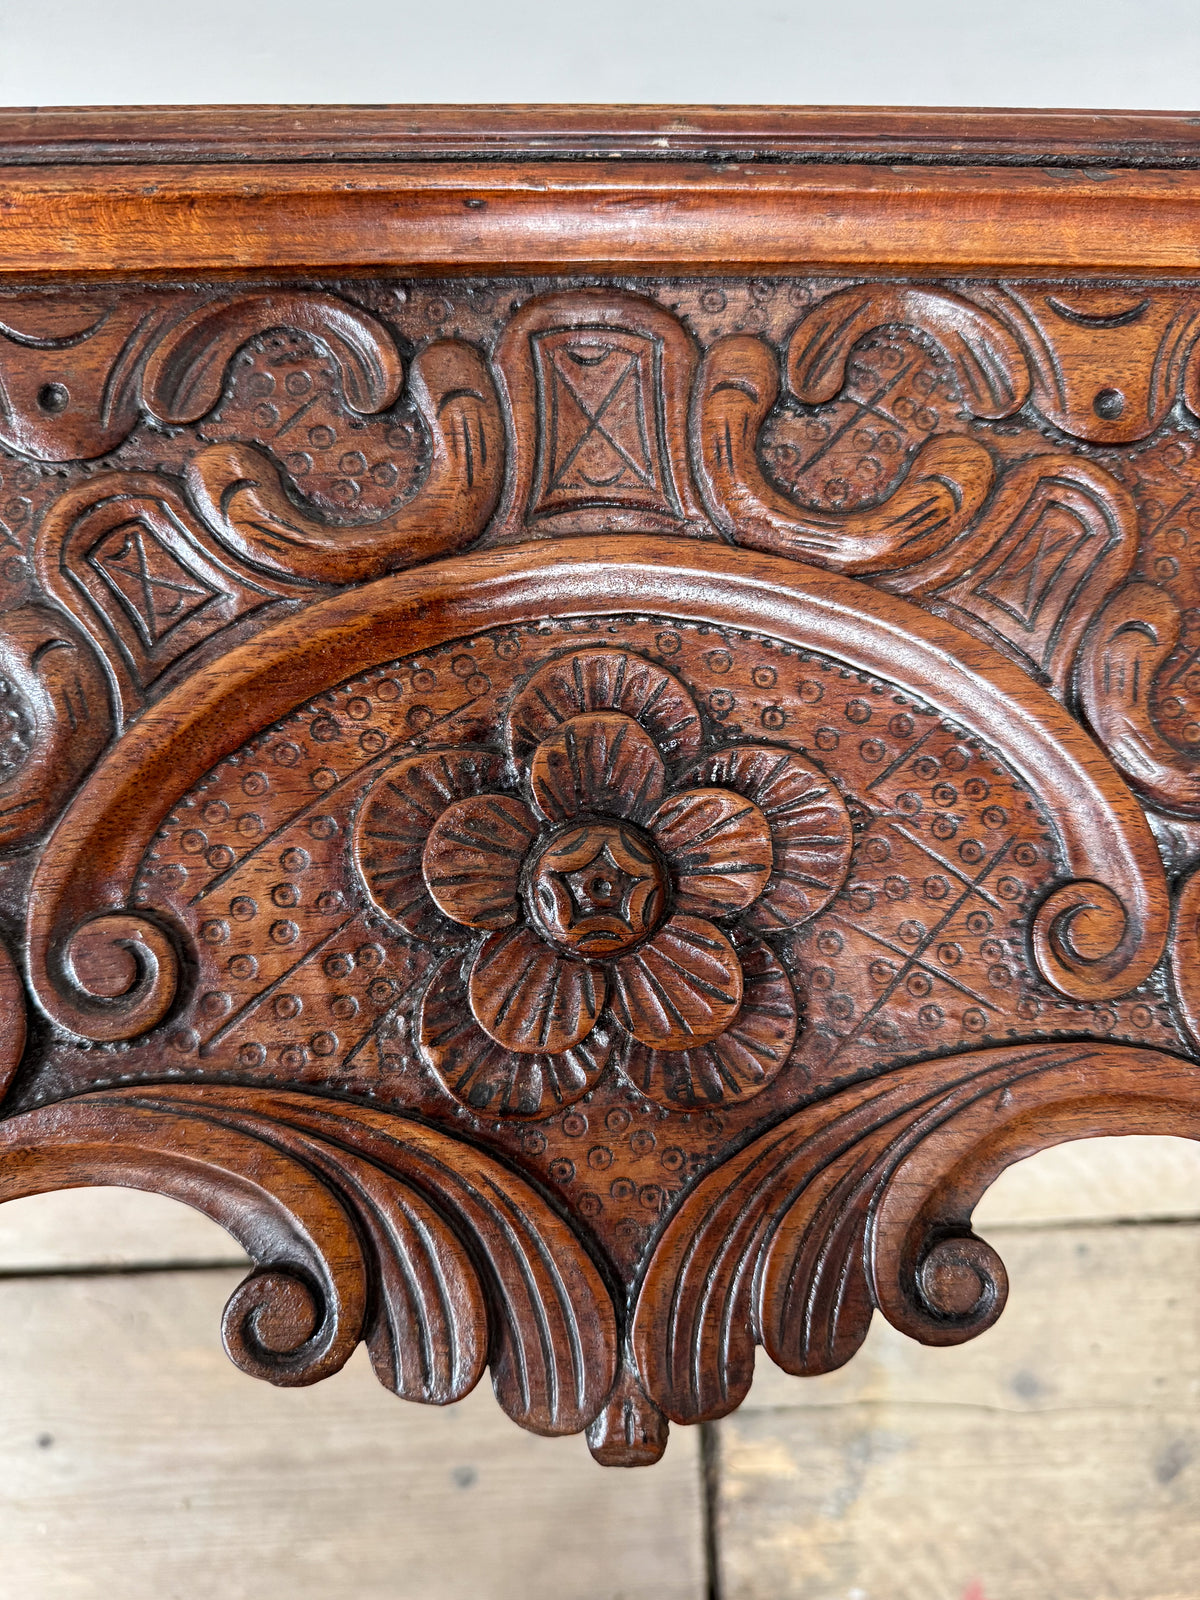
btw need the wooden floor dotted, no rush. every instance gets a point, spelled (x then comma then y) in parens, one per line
(1056, 1458)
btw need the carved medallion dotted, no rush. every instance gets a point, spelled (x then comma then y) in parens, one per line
(600, 405)
(600, 385)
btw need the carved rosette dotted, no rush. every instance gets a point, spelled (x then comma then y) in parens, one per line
(618, 899)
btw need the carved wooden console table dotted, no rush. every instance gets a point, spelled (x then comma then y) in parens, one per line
(599, 714)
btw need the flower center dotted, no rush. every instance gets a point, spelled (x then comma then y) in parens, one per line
(596, 889)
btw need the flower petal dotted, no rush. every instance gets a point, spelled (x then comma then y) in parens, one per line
(718, 846)
(473, 857)
(530, 999)
(810, 826)
(601, 761)
(605, 680)
(681, 988)
(740, 1062)
(482, 1074)
(394, 822)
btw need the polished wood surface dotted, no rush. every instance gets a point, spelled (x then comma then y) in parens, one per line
(540, 189)
(617, 216)
(586, 818)
(51, 136)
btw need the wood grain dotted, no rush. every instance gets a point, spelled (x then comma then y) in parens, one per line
(892, 135)
(624, 216)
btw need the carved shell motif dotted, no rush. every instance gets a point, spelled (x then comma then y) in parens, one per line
(616, 894)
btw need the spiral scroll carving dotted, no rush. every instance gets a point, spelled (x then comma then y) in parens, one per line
(362, 1226)
(120, 973)
(864, 1201)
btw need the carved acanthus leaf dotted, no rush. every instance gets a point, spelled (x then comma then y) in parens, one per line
(361, 1225)
(864, 1200)
(641, 938)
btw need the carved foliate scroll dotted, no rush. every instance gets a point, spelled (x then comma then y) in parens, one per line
(586, 822)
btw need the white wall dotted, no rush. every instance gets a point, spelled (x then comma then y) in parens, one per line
(1103, 53)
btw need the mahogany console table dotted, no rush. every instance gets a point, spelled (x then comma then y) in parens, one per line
(599, 714)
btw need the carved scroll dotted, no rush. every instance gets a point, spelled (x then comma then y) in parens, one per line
(945, 486)
(640, 938)
(361, 1226)
(71, 367)
(186, 370)
(54, 716)
(1132, 638)
(1107, 364)
(865, 1202)
(239, 494)
(1026, 557)
(367, 1226)
(989, 363)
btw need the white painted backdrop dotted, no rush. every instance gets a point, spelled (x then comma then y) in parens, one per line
(1110, 53)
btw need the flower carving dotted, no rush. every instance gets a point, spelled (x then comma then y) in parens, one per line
(614, 907)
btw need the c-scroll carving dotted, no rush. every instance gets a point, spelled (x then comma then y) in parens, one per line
(946, 484)
(1024, 557)
(1131, 640)
(864, 1200)
(361, 1225)
(1097, 935)
(989, 364)
(55, 716)
(240, 495)
(185, 371)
